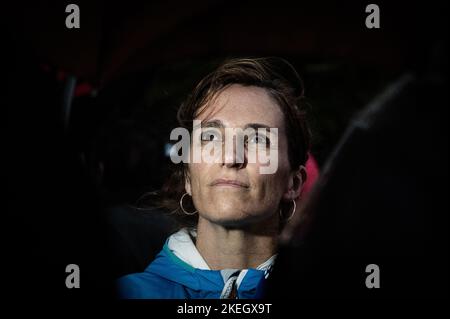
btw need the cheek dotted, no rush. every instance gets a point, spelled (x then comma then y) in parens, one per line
(271, 187)
(198, 174)
(279, 154)
(263, 185)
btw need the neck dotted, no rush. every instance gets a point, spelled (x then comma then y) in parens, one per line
(237, 248)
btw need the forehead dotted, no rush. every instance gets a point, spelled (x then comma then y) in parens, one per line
(239, 105)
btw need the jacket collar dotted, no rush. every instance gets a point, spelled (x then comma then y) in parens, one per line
(182, 246)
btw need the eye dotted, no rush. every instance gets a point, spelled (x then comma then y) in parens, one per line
(259, 139)
(210, 135)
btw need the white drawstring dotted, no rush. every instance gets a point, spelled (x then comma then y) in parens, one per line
(229, 286)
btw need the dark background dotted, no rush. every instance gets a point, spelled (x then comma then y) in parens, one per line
(132, 65)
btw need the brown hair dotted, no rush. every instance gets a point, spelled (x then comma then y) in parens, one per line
(279, 79)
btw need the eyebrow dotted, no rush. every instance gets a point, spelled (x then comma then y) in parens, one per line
(219, 124)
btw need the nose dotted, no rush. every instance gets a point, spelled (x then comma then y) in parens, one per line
(234, 155)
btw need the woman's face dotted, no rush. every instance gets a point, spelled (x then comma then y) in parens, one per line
(230, 193)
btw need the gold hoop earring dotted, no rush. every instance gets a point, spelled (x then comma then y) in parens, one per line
(292, 214)
(182, 208)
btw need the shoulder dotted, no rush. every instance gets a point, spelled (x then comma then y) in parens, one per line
(147, 285)
(158, 281)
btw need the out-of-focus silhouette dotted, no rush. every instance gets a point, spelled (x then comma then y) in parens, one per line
(382, 199)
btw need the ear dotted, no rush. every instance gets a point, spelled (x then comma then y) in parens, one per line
(187, 182)
(296, 180)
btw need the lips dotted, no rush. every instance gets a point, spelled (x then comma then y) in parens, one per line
(229, 182)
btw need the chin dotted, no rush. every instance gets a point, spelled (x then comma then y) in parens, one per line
(227, 214)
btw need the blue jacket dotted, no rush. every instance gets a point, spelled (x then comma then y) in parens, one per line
(171, 277)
